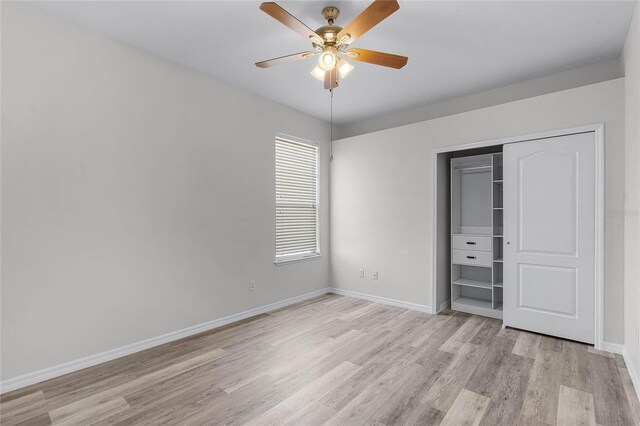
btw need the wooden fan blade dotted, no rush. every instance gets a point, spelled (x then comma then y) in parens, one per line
(377, 58)
(331, 79)
(377, 12)
(284, 17)
(285, 59)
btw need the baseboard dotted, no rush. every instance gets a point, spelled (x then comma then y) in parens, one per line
(383, 300)
(71, 366)
(632, 371)
(445, 305)
(615, 348)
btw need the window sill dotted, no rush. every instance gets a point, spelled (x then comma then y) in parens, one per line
(296, 260)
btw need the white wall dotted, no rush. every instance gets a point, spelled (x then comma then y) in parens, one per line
(137, 195)
(631, 58)
(381, 201)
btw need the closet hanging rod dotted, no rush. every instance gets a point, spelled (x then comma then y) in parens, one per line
(474, 167)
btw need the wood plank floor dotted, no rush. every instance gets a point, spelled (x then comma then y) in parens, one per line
(338, 360)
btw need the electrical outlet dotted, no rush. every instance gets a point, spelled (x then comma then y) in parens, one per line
(252, 285)
(375, 275)
(361, 273)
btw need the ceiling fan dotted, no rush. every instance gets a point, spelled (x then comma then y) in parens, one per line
(332, 42)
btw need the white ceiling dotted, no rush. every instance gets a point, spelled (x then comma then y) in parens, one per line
(454, 48)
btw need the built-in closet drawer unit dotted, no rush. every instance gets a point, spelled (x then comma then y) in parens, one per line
(471, 242)
(472, 257)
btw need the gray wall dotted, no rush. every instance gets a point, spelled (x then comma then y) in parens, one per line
(577, 77)
(381, 191)
(137, 195)
(631, 58)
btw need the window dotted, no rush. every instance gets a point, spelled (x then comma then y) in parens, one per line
(297, 233)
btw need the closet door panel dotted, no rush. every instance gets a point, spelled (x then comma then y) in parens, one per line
(536, 283)
(549, 208)
(548, 213)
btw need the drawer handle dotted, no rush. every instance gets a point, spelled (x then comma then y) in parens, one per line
(473, 243)
(471, 257)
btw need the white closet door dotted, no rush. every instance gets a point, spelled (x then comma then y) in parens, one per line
(549, 219)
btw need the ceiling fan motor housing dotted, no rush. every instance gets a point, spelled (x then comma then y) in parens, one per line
(329, 34)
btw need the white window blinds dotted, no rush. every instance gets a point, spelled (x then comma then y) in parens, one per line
(296, 200)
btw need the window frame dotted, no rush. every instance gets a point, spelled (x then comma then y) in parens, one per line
(293, 258)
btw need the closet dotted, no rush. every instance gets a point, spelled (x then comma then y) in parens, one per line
(476, 234)
(523, 234)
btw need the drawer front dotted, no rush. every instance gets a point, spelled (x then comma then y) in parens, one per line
(464, 242)
(472, 257)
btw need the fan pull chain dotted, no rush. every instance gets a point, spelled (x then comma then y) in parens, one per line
(331, 132)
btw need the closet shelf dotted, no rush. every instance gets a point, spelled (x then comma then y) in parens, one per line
(498, 181)
(474, 167)
(472, 283)
(499, 285)
(498, 260)
(478, 303)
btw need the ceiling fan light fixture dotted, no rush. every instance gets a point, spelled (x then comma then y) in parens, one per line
(315, 38)
(344, 67)
(345, 39)
(328, 58)
(318, 73)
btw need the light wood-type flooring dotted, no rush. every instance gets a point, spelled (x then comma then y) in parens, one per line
(338, 360)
